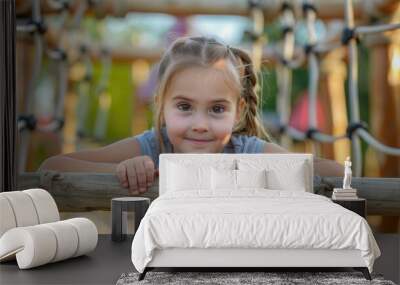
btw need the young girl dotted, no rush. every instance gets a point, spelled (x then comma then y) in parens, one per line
(205, 103)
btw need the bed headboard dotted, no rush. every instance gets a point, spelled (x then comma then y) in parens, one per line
(226, 159)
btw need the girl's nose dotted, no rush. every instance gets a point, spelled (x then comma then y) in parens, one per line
(200, 124)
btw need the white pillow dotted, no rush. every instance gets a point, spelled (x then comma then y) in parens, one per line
(251, 178)
(183, 177)
(281, 174)
(278, 180)
(236, 179)
(223, 179)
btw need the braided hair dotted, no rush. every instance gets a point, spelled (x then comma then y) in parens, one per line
(251, 123)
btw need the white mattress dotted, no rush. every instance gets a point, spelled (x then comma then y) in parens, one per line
(252, 218)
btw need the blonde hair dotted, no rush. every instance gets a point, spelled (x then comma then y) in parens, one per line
(187, 52)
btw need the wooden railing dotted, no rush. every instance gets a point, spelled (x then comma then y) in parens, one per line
(93, 191)
(326, 9)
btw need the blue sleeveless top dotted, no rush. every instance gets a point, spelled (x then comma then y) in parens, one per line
(237, 144)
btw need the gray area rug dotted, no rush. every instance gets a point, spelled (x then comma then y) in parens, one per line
(226, 278)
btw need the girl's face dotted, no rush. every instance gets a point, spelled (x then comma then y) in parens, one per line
(200, 110)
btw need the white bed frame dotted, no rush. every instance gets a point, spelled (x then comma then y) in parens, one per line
(241, 258)
(235, 257)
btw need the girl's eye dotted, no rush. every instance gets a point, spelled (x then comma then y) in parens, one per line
(218, 109)
(183, 107)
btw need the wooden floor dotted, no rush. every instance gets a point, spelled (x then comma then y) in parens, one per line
(110, 259)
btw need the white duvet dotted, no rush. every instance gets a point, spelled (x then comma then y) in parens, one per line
(253, 218)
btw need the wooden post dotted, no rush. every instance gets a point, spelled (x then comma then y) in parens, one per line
(333, 77)
(383, 109)
(69, 130)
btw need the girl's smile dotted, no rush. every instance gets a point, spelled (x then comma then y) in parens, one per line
(198, 142)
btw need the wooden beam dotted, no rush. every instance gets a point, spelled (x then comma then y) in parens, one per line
(79, 191)
(382, 194)
(331, 9)
(129, 54)
(93, 191)
(118, 54)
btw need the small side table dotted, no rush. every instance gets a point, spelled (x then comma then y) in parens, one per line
(358, 205)
(119, 208)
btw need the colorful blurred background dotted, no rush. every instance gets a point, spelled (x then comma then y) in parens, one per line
(86, 71)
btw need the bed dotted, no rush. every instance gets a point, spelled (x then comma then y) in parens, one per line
(247, 210)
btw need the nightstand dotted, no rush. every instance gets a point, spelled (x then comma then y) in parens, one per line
(358, 205)
(120, 207)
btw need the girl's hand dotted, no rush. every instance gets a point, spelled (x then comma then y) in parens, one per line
(136, 174)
